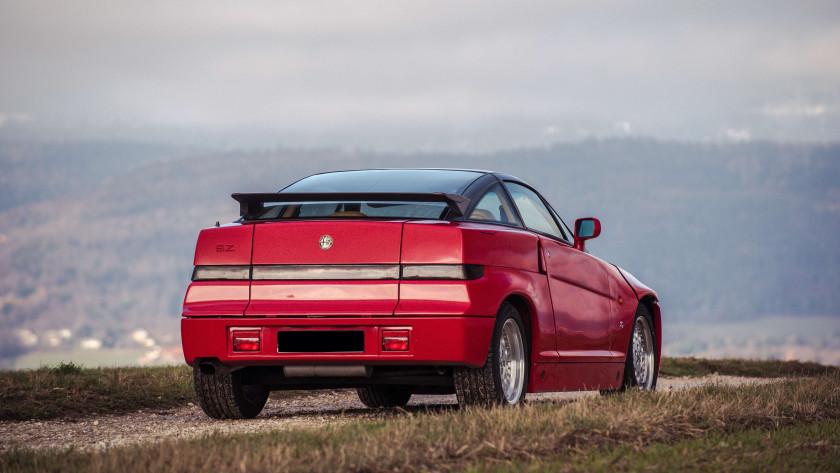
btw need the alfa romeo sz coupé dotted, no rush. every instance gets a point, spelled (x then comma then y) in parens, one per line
(409, 281)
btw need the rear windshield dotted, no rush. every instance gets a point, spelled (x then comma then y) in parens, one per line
(387, 180)
(286, 210)
(381, 180)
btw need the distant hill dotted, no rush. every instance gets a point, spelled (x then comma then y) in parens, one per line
(722, 232)
(36, 172)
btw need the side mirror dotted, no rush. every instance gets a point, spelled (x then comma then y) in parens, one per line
(586, 229)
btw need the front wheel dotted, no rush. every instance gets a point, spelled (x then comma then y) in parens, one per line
(503, 378)
(640, 365)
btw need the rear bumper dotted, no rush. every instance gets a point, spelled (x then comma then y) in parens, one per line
(462, 341)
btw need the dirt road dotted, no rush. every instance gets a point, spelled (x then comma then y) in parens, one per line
(311, 411)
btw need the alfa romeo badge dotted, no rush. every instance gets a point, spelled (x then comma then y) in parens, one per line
(326, 242)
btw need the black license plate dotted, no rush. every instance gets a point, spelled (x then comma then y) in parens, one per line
(320, 341)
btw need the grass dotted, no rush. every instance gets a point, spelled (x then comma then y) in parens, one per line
(606, 432)
(805, 448)
(70, 391)
(800, 448)
(691, 366)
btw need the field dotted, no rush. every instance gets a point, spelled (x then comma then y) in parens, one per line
(789, 425)
(71, 391)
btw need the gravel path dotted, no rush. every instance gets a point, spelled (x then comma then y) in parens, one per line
(312, 411)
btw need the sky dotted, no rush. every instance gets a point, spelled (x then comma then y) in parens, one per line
(411, 75)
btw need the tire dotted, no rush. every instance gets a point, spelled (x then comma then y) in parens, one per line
(640, 365)
(223, 396)
(504, 377)
(383, 396)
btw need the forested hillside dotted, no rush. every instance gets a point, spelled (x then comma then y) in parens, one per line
(35, 172)
(104, 246)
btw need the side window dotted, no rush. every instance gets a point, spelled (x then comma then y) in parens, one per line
(564, 229)
(536, 215)
(493, 207)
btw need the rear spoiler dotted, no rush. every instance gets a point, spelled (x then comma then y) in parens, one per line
(248, 203)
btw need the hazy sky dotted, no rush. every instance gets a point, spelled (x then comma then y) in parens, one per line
(448, 74)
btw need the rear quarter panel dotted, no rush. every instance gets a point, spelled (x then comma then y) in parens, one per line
(225, 245)
(510, 257)
(436, 242)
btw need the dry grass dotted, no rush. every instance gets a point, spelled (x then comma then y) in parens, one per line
(802, 448)
(690, 366)
(477, 438)
(71, 391)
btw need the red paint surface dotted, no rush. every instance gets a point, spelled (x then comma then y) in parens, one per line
(432, 242)
(228, 245)
(290, 298)
(354, 242)
(624, 304)
(435, 242)
(574, 376)
(208, 298)
(432, 340)
(580, 295)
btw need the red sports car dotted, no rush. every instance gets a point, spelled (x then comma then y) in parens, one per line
(410, 281)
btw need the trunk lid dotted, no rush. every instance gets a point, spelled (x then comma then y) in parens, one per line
(319, 268)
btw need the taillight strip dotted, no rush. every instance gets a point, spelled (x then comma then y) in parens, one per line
(340, 272)
(221, 273)
(442, 271)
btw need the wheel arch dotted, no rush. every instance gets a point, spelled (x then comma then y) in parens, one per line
(525, 306)
(651, 302)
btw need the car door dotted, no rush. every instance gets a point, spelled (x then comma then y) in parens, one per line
(580, 291)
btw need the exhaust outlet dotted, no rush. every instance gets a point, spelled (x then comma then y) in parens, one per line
(327, 371)
(212, 366)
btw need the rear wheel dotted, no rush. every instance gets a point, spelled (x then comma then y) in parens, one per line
(503, 378)
(223, 396)
(384, 396)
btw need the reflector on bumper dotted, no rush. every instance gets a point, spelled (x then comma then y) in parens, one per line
(246, 340)
(395, 340)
